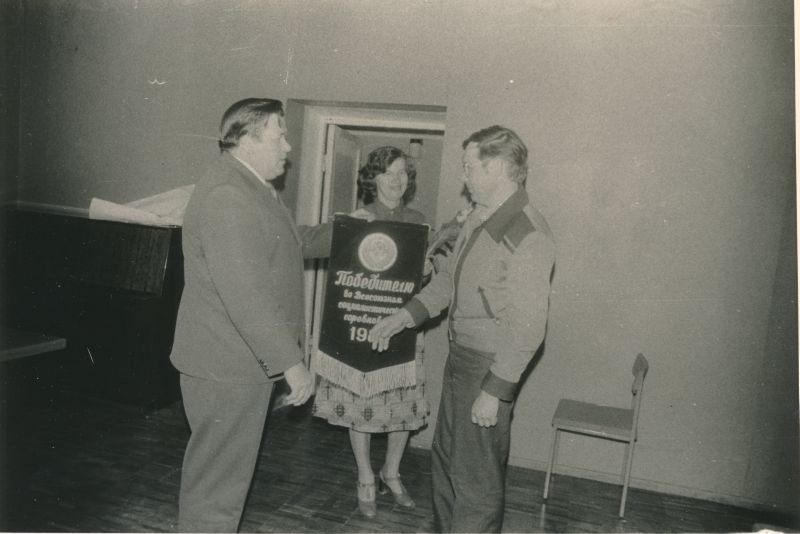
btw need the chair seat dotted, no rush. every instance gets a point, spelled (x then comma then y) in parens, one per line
(594, 419)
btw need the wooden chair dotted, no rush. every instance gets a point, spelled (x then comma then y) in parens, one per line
(607, 422)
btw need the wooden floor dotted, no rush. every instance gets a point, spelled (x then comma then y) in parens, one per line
(89, 466)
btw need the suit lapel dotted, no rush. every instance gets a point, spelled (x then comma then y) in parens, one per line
(271, 202)
(288, 215)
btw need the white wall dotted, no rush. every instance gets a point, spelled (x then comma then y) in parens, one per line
(662, 154)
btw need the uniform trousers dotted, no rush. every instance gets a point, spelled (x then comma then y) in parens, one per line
(227, 422)
(468, 462)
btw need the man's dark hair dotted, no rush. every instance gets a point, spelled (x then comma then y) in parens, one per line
(500, 142)
(246, 116)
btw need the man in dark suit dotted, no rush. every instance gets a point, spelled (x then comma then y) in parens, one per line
(241, 323)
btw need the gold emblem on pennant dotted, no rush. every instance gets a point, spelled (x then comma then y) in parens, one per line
(377, 252)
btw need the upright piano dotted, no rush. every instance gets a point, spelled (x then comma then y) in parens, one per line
(111, 289)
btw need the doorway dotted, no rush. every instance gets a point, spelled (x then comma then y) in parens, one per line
(336, 139)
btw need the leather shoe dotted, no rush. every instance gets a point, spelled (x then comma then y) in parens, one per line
(402, 497)
(366, 499)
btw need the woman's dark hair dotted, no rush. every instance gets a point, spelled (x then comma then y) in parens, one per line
(378, 161)
(246, 116)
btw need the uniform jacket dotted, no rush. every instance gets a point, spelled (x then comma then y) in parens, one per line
(497, 286)
(241, 317)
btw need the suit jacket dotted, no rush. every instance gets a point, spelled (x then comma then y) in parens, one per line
(241, 317)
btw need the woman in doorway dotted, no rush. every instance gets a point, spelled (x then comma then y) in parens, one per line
(386, 184)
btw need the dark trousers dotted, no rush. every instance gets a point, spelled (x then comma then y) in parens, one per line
(468, 462)
(227, 422)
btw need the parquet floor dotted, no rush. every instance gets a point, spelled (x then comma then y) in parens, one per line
(84, 465)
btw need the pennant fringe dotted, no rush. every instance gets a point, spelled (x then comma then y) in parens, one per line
(359, 382)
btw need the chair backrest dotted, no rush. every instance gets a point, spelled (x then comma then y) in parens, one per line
(640, 368)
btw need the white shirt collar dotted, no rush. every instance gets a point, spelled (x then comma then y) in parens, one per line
(260, 178)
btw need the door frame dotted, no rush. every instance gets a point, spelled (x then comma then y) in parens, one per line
(312, 182)
(315, 125)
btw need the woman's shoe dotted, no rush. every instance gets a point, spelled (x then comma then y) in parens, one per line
(366, 499)
(402, 498)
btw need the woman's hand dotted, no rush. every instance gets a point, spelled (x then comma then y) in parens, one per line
(363, 213)
(428, 268)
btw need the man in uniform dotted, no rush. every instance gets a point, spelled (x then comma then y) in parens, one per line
(496, 286)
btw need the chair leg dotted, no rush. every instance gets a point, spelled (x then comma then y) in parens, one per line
(625, 463)
(626, 476)
(553, 452)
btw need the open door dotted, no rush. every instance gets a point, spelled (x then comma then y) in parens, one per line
(332, 138)
(343, 151)
(339, 192)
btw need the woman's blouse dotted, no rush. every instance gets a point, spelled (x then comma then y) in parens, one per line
(401, 213)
